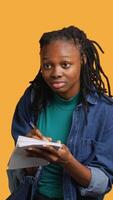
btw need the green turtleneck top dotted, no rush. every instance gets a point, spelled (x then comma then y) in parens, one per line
(55, 122)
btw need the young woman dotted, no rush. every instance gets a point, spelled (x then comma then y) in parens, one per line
(68, 101)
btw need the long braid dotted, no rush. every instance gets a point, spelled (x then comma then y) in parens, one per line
(43, 94)
(91, 70)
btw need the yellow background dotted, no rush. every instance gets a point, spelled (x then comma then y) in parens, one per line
(21, 24)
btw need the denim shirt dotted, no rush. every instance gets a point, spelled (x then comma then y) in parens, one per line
(90, 143)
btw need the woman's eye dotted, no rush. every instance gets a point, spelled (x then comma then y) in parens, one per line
(47, 66)
(66, 65)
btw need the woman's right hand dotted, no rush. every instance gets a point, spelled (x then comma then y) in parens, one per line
(33, 151)
(35, 133)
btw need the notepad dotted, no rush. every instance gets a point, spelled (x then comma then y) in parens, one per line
(27, 142)
(19, 159)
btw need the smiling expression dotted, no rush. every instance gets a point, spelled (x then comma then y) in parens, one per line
(61, 66)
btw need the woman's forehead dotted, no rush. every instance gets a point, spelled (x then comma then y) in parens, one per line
(65, 48)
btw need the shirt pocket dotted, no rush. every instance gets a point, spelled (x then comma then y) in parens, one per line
(86, 150)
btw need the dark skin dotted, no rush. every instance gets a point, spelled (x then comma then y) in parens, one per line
(61, 66)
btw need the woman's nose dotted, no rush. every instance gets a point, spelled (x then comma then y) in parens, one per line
(56, 72)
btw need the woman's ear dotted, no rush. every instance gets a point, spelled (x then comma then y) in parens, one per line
(83, 59)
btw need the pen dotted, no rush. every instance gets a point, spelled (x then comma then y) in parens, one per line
(32, 125)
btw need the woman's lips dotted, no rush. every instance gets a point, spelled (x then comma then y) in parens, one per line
(58, 85)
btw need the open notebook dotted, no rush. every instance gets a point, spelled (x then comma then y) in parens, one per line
(19, 159)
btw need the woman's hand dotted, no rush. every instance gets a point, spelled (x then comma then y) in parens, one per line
(51, 154)
(35, 133)
(63, 156)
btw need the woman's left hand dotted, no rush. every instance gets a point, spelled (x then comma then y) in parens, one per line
(62, 155)
(79, 172)
(53, 155)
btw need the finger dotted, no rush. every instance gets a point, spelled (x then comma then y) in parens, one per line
(59, 141)
(40, 153)
(31, 152)
(49, 139)
(63, 150)
(49, 154)
(50, 157)
(50, 149)
(38, 134)
(35, 133)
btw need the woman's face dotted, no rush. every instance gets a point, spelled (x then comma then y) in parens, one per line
(61, 66)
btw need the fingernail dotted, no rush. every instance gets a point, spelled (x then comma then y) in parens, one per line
(44, 138)
(44, 145)
(58, 141)
(30, 148)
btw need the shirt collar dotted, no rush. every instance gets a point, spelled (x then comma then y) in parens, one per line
(92, 98)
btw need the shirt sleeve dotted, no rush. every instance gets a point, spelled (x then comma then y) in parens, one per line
(98, 184)
(22, 116)
(15, 177)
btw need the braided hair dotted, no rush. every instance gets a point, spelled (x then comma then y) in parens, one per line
(91, 71)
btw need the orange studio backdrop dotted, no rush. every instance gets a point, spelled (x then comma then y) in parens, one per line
(22, 23)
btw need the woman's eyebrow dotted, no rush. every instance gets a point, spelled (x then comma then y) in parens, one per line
(46, 58)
